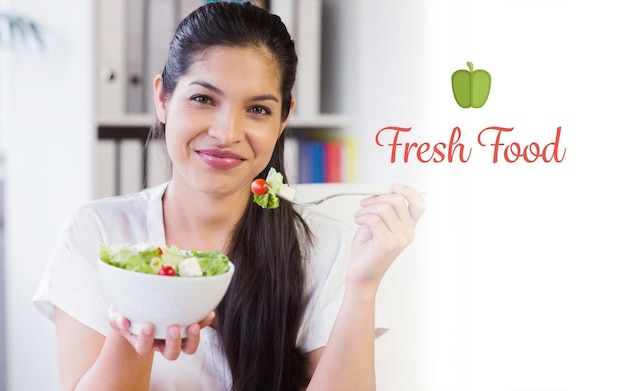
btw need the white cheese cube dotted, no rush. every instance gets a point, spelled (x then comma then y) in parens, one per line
(189, 268)
(286, 192)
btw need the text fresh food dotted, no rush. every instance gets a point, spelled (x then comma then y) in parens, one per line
(266, 191)
(164, 260)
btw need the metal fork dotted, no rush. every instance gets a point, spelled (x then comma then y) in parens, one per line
(324, 199)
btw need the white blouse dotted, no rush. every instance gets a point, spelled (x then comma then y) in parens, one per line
(71, 282)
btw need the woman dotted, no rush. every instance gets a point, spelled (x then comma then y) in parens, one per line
(300, 311)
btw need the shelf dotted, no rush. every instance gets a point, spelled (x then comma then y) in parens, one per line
(321, 121)
(127, 120)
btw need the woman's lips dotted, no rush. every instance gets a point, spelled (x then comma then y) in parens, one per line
(219, 159)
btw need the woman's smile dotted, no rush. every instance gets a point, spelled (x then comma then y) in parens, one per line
(220, 159)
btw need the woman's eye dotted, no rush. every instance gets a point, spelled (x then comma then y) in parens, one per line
(201, 99)
(260, 110)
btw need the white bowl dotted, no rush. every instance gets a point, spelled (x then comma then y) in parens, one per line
(162, 300)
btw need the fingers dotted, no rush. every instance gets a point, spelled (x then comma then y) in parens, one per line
(392, 216)
(144, 342)
(173, 343)
(190, 344)
(117, 321)
(415, 200)
(386, 217)
(208, 320)
(409, 204)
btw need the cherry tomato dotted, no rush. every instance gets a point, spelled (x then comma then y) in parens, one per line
(167, 271)
(259, 186)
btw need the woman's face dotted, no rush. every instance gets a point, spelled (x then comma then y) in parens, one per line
(223, 119)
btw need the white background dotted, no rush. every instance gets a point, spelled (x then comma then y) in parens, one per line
(526, 285)
(524, 264)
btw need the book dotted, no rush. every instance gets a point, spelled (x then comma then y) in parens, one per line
(325, 160)
(333, 161)
(308, 38)
(349, 160)
(291, 158)
(311, 161)
(304, 162)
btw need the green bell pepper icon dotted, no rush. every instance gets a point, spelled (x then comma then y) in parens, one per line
(471, 88)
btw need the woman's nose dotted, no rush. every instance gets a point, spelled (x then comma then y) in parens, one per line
(227, 126)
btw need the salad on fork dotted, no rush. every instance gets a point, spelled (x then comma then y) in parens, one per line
(268, 192)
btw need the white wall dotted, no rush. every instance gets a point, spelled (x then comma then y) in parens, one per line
(46, 127)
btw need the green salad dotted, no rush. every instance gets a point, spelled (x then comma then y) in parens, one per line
(164, 260)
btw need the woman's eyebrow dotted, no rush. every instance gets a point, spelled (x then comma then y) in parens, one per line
(218, 92)
(265, 97)
(208, 86)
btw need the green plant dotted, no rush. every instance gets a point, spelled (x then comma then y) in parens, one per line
(19, 28)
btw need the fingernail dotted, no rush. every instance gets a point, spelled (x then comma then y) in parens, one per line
(173, 333)
(146, 329)
(119, 323)
(192, 331)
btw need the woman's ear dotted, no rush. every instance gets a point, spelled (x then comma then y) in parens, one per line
(160, 101)
(284, 123)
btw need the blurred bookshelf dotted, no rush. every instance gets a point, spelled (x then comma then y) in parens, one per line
(132, 41)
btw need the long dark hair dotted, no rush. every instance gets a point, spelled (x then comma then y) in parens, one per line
(261, 313)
